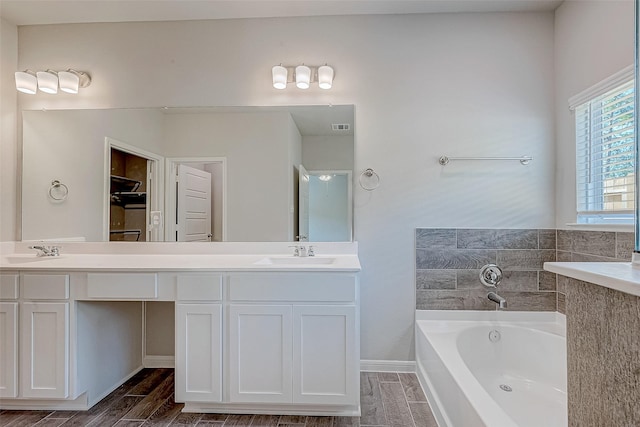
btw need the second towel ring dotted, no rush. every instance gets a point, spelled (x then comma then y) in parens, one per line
(60, 190)
(371, 175)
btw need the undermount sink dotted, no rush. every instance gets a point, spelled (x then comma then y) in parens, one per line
(27, 258)
(291, 260)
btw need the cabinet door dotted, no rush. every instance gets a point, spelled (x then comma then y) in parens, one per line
(260, 353)
(8, 349)
(325, 355)
(44, 349)
(198, 353)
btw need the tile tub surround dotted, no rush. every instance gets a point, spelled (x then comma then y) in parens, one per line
(448, 262)
(603, 356)
(590, 246)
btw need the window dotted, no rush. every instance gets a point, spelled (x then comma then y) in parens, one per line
(605, 154)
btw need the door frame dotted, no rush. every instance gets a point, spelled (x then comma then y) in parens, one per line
(171, 167)
(155, 193)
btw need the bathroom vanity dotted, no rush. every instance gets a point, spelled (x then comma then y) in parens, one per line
(267, 333)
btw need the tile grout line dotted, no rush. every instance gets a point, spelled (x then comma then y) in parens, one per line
(406, 400)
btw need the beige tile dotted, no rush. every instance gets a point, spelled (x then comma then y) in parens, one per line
(388, 377)
(395, 405)
(422, 414)
(292, 419)
(603, 362)
(412, 389)
(372, 409)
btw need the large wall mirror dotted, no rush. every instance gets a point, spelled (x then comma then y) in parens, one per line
(189, 174)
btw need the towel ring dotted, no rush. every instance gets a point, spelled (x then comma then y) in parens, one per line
(61, 191)
(370, 174)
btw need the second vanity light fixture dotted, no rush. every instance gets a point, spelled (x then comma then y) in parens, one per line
(49, 81)
(302, 75)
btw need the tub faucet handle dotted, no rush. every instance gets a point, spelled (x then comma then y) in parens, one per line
(491, 275)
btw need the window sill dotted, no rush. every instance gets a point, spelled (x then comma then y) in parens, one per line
(621, 228)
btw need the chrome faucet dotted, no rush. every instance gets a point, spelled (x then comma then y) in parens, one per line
(502, 303)
(46, 250)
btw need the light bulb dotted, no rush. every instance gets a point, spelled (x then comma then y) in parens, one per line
(69, 81)
(279, 75)
(303, 76)
(26, 82)
(325, 77)
(47, 81)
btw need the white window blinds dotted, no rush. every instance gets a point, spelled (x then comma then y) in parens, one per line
(605, 156)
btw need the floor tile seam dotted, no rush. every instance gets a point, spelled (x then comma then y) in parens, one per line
(168, 422)
(384, 408)
(406, 401)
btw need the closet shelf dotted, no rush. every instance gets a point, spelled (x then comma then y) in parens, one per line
(129, 199)
(122, 183)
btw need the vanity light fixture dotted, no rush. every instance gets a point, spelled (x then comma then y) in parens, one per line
(325, 77)
(279, 75)
(48, 81)
(302, 75)
(26, 82)
(71, 80)
(324, 178)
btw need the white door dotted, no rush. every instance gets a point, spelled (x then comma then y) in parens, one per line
(8, 349)
(260, 353)
(303, 204)
(193, 220)
(198, 352)
(44, 345)
(326, 364)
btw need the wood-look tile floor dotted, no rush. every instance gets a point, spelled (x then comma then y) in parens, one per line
(387, 399)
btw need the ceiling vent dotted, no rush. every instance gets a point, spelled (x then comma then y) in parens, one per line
(341, 126)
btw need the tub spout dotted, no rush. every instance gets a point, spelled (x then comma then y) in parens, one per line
(502, 303)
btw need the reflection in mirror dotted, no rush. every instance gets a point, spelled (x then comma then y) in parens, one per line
(254, 187)
(329, 206)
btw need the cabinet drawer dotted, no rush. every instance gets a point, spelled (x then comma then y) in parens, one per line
(45, 286)
(324, 287)
(9, 286)
(122, 285)
(200, 287)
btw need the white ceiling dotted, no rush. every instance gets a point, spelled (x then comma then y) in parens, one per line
(36, 12)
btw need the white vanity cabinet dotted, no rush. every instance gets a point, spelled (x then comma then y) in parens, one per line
(247, 340)
(9, 335)
(34, 329)
(198, 368)
(293, 338)
(44, 336)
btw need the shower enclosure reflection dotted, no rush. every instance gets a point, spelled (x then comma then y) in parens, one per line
(329, 208)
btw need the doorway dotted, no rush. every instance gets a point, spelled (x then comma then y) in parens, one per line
(196, 199)
(131, 193)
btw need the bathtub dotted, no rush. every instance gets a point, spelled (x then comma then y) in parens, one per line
(493, 369)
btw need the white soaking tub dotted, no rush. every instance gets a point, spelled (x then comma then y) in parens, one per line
(493, 368)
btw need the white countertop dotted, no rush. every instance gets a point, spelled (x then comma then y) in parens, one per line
(183, 257)
(621, 276)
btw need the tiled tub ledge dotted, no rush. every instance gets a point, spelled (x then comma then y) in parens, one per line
(620, 276)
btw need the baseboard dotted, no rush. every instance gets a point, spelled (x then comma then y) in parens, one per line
(387, 366)
(159, 362)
